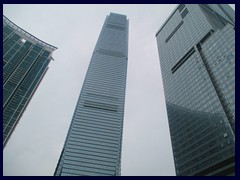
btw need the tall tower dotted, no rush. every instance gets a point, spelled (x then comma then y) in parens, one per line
(196, 46)
(25, 62)
(93, 143)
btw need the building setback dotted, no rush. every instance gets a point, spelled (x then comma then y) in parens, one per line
(25, 62)
(93, 143)
(196, 46)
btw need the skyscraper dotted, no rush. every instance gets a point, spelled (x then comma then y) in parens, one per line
(25, 62)
(196, 46)
(93, 143)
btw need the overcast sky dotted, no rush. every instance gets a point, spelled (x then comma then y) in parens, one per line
(37, 142)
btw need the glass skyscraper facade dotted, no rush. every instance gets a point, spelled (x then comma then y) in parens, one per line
(196, 46)
(25, 62)
(93, 143)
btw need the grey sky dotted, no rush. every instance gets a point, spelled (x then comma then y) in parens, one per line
(36, 143)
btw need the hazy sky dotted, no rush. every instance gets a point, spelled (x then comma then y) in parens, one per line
(37, 142)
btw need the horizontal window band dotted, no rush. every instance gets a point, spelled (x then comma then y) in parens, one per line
(102, 96)
(117, 116)
(93, 139)
(79, 144)
(80, 123)
(183, 59)
(96, 126)
(108, 117)
(107, 62)
(106, 81)
(82, 172)
(79, 156)
(120, 104)
(90, 161)
(96, 82)
(100, 151)
(113, 69)
(184, 13)
(112, 26)
(92, 132)
(101, 106)
(174, 31)
(92, 135)
(92, 167)
(106, 72)
(95, 103)
(120, 93)
(206, 36)
(91, 153)
(97, 150)
(89, 165)
(71, 174)
(94, 122)
(110, 53)
(105, 115)
(112, 120)
(181, 7)
(117, 70)
(86, 128)
(97, 119)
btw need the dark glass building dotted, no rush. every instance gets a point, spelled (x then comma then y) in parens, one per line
(25, 62)
(93, 144)
(196, 46)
